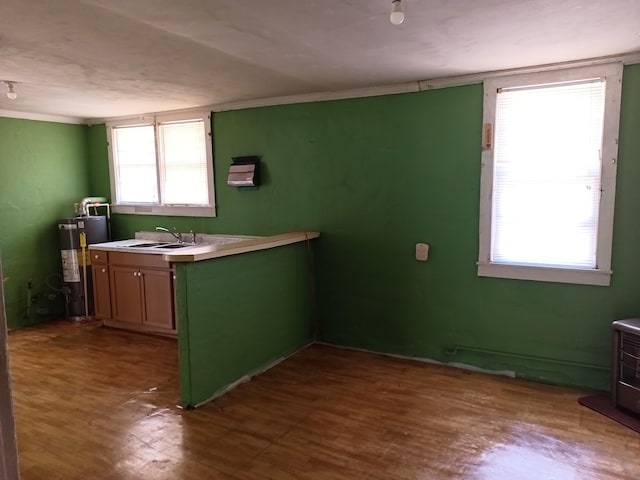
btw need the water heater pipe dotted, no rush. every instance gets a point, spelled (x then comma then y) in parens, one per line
(86, 201)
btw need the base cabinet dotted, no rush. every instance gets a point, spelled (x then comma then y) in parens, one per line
(157, 298)
(101, 285)
(102, 295)
(140, 291)
(126, 294)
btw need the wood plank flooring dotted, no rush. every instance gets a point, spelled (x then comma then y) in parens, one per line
(97, 403)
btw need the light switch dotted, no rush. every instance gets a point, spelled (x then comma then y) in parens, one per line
(422, 251)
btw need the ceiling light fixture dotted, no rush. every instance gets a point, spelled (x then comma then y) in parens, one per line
(397, 15)
(11, 92)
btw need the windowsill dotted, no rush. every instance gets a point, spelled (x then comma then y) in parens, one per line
(165, 210)
(545, 274)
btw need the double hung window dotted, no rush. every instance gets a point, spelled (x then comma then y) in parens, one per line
(162, 165)
(548, 175)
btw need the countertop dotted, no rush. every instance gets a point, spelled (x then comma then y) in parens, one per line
(208, 247)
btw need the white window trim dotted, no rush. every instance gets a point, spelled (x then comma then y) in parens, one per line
(168, 210)
(601, 275)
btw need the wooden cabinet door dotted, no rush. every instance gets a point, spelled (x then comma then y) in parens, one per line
(158, 298)
(126, 294)
(101, 291)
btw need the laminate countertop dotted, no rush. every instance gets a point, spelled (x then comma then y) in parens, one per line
(206, 246)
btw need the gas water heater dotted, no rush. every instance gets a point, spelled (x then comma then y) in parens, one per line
(76, 234)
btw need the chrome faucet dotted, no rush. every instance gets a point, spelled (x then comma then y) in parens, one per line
(176, 235)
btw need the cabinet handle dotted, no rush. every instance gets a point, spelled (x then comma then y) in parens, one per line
(96, 256)
(104, 270)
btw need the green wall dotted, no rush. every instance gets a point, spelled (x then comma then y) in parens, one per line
(237, 314)
(375, 176)
(43, 171)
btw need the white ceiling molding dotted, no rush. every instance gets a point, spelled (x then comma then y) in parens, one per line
(42, 117)
(320, 97)
(409, 87)
(287, 100)
(627, 59)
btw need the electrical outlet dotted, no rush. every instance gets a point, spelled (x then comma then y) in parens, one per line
(422, 252)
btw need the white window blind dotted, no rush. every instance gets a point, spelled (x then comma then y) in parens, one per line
(134, 147)
(162, 165)
(183, 162)
(546, 177)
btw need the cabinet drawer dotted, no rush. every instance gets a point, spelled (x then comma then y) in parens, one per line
(99, 256)
(628, 397)
(138, 260)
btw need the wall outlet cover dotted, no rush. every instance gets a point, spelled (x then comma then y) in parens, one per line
(422, 252)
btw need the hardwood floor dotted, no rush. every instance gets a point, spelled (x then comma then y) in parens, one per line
(96, 403)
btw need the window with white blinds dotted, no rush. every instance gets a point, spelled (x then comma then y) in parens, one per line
(135, 153)
(162, 167)
(183, 162)
(548, 178)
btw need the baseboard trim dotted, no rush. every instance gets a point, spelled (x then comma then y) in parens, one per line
(258, 371)
(273, 363)
(462, 366)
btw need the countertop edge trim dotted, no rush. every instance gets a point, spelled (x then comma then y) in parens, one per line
(246, 246)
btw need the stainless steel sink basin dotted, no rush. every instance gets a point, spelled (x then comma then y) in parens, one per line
(159, 245)
(175, 245)
(146, 244)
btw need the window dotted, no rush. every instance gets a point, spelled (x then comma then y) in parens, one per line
(162, 165)
(548, 175)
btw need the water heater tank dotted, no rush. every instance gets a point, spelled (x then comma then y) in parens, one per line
(76, 264)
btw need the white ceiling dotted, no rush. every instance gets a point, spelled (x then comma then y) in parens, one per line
(107, 58)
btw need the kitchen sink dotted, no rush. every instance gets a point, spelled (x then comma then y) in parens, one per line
(146, 244)
(175, 245)
(160, 245)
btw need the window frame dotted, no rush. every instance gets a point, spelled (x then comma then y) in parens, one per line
(156, 208)
(601, 274)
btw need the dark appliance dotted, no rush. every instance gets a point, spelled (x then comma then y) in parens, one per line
(625, 387)
(76, 234)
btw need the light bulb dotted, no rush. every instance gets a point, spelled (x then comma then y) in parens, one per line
(397, 15)
(11, 93)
